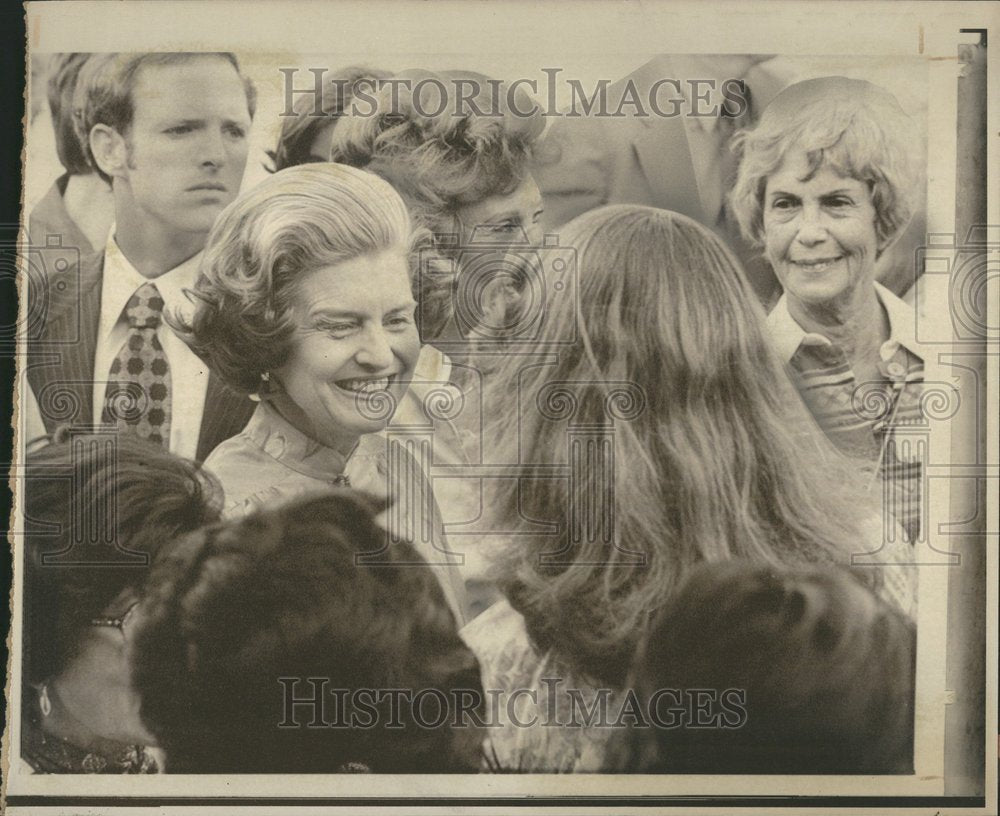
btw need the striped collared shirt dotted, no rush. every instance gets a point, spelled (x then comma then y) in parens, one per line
(865, 420)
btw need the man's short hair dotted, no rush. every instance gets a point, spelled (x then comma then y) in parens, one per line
(106, 97)
(64, 70)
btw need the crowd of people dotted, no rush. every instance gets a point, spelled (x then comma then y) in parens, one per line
(269, 432)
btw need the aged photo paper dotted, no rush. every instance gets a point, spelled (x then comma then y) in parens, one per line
(156, 194)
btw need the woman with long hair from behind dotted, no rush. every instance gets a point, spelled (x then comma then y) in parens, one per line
(704, 453)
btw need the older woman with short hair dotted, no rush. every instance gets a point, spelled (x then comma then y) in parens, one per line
(826, 185)
(305, 303)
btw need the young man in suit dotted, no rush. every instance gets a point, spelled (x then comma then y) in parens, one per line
(78, 208)
(169, 132)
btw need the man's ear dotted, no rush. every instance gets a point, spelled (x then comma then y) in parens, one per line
(109, 150)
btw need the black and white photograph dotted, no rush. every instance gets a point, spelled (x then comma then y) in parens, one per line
(488, 406)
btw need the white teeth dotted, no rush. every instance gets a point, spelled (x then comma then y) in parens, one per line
(817, 265)
(365, 386)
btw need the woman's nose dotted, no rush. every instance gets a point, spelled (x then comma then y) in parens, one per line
(376, 351)
(812, 228)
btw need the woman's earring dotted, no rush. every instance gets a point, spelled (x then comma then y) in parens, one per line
(265, 387)
(44, 703)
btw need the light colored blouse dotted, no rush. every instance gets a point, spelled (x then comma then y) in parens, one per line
(538, 709)
(271, 463)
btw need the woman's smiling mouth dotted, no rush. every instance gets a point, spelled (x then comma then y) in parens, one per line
(366, 385)
(817, 264)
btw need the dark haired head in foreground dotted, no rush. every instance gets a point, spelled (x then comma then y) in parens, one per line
(98, 508)
(827, 670)
(232, 609)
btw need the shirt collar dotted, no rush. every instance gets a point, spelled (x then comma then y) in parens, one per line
(285, 443)
(787, 335)
(902, 319)
(121, 279)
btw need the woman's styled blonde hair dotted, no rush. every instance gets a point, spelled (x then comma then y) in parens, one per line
(712, 455)
(292, 223)
(856, 128)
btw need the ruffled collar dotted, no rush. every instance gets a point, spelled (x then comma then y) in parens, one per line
(46, 753)
(283, 442)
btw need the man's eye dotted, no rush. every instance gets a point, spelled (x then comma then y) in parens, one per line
(178, 130)
(236, 131)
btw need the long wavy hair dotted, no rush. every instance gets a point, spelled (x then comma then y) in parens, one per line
(712, 456)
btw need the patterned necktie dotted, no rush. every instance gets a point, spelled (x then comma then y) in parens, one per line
(138, 394)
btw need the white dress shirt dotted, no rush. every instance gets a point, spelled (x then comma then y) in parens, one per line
(32, 427)
(188, 374)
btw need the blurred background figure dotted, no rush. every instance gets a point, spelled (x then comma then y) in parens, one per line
(709, 456)
(306, 137)
(79, 205)
(463, 173)
(80, 711)
(821, 673)
(678, 162)
(827, 184)
(229, 611)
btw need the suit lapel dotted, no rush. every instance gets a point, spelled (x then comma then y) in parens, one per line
(665, 158)
(661, 146)
(61, 356)
(60, 366)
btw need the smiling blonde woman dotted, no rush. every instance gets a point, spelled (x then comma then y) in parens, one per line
(305, 303)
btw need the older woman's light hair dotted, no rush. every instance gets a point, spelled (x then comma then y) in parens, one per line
(856, 128)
